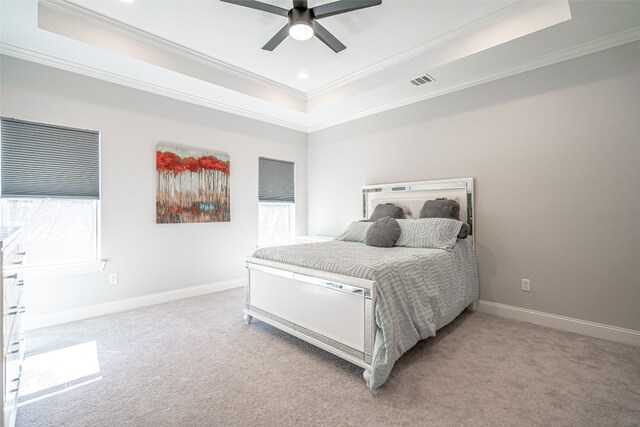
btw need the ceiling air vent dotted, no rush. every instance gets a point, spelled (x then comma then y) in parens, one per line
(422, 80)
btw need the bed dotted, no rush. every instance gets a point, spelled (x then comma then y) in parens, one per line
(368, 305)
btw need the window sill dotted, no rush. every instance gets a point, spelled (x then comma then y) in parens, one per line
(314, 239)
(269, 245)
(57, 270)
(298, 241)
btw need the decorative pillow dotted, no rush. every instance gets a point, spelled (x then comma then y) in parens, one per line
(464, 231)
(387, 209)
(440, 208)
(445, 208)
(434, 233)
(355, 232)
(383, 232)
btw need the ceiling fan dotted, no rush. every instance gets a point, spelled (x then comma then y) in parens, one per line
(303, 22)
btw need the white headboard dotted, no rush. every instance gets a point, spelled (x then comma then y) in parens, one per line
(412, 195)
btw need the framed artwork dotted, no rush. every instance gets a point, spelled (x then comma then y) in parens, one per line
(192, 185)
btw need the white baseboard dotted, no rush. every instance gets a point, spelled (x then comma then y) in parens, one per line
(50, 319)
(598, 330)
(592, 329)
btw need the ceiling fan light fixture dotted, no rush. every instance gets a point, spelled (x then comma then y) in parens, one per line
(303, 20)
(300, 31)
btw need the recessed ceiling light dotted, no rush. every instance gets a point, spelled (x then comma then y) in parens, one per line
(127, 1)
(303, 75)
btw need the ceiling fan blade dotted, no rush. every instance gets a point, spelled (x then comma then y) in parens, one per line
(277, 39)
(338, 7)
(252, 4)
(300, 4)
(327, 38)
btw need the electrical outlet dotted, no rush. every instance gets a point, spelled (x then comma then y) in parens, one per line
(113, 278)
(526, 285)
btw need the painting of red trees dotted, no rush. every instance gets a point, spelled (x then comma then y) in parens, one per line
(191, 185)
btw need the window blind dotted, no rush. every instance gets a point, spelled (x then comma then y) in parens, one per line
(276, 181)
(43, 160)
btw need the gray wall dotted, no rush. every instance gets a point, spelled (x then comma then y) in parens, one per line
(150, 258)
(556, 157)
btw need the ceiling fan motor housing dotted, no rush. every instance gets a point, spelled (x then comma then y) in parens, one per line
(301, 16)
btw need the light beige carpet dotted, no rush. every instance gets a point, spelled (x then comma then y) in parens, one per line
(195, 363)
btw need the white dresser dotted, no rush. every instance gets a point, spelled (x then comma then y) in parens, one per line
(12, 319)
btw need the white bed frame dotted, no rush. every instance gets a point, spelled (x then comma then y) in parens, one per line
(332, 311)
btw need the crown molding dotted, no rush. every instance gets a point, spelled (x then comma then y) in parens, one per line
(459, 33)
(74, 67)
(587, 48)
(308, 125)
(112, 24)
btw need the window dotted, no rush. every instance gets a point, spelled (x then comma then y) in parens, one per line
(57, 231)
(49, 183)
(276, 201)
(276, 223)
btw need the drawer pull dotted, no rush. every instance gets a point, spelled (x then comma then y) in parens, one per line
(16, 262)
(22, 253)
(19, 283)
(18, 311)
(14, 351)
(12, 276)
(15, 390)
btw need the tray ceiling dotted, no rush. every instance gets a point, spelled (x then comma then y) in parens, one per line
(209, 52)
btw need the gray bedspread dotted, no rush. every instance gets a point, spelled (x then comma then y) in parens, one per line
(419, 290)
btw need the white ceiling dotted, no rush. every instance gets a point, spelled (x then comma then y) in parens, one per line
(235, 34)
(209, 52)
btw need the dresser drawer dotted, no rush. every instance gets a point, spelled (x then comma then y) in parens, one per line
(10, 403)
(8, 286)
(11, 384)
(12, 255)
(13, 322)
(11, 273)
(13, 259)
(12, 289)
(13, 355)
(12, 286)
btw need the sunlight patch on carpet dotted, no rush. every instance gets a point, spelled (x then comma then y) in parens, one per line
(59, 370)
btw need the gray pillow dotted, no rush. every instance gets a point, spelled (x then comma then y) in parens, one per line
(387, 209)
(355, 232)
(433, 233)
(464, 231)
(441, 208)
(383, 233)
(445, 208)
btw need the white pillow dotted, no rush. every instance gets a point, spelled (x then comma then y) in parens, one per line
(434, 233)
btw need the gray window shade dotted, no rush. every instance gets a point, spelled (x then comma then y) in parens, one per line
(41, 160)
(276, 181)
